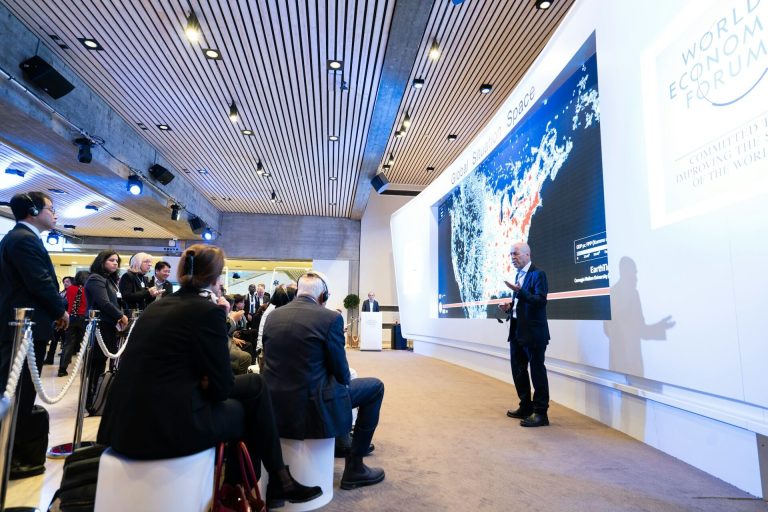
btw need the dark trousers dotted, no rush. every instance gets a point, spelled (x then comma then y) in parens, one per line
(367, 394)
(27, 394)
(58, 338)
(97, 361)
(72, 341)
(247, 415)
(520, 358)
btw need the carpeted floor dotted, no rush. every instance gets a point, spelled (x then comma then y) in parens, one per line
(446, 444)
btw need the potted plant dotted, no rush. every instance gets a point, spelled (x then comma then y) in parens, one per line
(351, 303)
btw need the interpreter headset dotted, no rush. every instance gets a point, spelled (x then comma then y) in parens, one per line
(323, 296)
(33, 209)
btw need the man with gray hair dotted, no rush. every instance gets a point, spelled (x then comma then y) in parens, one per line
(306, 370)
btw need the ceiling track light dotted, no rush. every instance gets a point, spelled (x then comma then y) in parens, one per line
(260, 168)
(192, 31)
(84, 144)
(434, 50)
(486, 88)
(234, 115)
(207, 234)
(391, 159)
(418, 83)
(406, 121)
(53, 237)
(273, 197)
(134, 185)
(175, 212)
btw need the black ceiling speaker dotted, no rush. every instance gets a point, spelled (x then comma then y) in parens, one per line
(196, 224)
(380, 182)
(40, 73)
(161, 174)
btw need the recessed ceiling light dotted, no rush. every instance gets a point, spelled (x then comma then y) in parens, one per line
(15, 172)
(430, 169)
(246, 132)
(192, 30)
(90, 43)
(212, 53)
(202, 171)
(138, 229)
(418, 83)
(118, 219)
(452, 137)
(164, 127)
(333, 138)
(334, 65)
(486, 88)
(69, 226)
(234, 115)
(333, 178)
(332, 203)
(92, 207)
(386, 166)
(186, 171)
(56, 191)
(543, 4)
(142, 126)
(434, 50)
(399, 133)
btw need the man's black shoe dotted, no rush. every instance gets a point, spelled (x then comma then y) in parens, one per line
(48, 360)
(357, 474)
(340, 452)
(535, 420)
(19, 471)
(284, 488)
(63, 373)
(519, 413)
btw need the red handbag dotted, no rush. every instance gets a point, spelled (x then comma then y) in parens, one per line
(243, 497)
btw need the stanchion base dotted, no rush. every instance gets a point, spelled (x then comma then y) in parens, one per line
(61, 451)
(22, 509)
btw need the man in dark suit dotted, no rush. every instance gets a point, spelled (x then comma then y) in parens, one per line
(307, 373)
(528, 338)
(371, 304)
(257, 297)
(160, 280)
(28, 280)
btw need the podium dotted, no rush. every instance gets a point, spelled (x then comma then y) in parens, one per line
(370, 331)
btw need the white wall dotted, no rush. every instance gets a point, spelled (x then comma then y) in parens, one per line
(697, 389)
(377, 271)
(336, 274)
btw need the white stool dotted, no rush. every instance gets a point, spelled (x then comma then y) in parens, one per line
(127, 485)
(311, 463)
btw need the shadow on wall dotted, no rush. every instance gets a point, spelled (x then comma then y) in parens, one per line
(628, 328)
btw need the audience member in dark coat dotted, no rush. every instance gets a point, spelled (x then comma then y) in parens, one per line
(175, 393)
(28, 280)
(136, 292)
(102, 295)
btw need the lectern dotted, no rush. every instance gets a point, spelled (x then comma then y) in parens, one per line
(370, 331)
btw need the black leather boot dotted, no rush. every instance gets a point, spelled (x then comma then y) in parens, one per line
(357, 474)
(282, 487)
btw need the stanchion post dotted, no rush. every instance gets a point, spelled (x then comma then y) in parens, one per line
(93, 318)
(22, 318)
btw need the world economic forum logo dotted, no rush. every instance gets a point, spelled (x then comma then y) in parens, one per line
(726, 60)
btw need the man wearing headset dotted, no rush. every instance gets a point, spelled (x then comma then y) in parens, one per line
(307, 373)
(28, 280)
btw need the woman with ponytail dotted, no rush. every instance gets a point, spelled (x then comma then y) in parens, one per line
(176, 395)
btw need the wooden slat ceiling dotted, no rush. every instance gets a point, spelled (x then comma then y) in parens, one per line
(71, 200)
(274, 66)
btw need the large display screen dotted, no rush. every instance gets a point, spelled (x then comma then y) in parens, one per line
(542, 184)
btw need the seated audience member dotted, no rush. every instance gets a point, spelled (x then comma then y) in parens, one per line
(178, 396)
(134, 284)
(305, 365)
(240, 358)
(290, 289)
(279, 298)
(77, 306)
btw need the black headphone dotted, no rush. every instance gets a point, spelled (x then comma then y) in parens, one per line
(33, 210)
(323, 296)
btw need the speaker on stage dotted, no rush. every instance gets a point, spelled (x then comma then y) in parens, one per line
(161, 174)
(40, 73)
(380, 182)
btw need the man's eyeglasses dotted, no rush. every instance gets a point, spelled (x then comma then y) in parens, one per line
(51, 208)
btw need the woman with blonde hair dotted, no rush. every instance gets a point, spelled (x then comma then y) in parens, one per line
(134, 284)
(175, 394)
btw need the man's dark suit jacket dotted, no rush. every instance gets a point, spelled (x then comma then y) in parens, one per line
(367, 306)
(306, 370)
(167, 286)
(156, 407)
(530, 327)
(27, 280)
(247, 308)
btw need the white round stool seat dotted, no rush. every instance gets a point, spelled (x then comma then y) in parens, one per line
(311, 463)
(128, 485)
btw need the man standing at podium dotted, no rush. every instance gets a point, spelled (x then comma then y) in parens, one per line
(371, 305)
